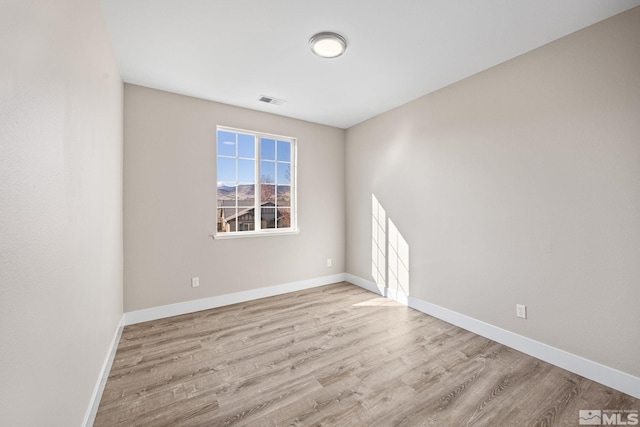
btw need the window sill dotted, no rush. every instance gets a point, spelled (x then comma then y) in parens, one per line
(245, 234)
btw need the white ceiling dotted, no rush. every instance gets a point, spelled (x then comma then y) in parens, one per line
(234, 51)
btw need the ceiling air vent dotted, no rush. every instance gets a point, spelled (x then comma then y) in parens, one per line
(271, 100)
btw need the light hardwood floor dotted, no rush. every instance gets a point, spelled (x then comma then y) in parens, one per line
(336, 355)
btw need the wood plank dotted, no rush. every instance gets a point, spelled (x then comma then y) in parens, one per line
(334, 355)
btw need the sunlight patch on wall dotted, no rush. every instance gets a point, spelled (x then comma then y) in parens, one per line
(398, 263)
(378, 243)
(389, 255)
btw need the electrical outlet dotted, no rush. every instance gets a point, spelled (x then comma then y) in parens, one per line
(521, 311)
(328, 262)
(195, 282)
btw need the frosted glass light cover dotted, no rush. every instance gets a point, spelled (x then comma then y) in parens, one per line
(328, 45)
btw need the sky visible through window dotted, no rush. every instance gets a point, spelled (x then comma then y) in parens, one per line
(275, 160)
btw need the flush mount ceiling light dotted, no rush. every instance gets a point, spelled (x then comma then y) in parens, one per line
(328, 45)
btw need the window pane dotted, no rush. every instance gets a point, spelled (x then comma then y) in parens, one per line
(226, 143)
(246, 195)
(246, 146)
(246, 171)
(228, 218)
(222, 224)
(245, 219)
(284, 173)
(268, 172)
(267, 193)
(284, 195)
(226, 169)
(284, 151)
(284, 218)
(226, 194)
(268, 218)
(267, 149)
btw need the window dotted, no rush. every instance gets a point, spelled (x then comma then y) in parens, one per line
(256, 183)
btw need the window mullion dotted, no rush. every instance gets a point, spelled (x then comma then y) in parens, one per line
(257, 217)
(237, 210)
(275, 186)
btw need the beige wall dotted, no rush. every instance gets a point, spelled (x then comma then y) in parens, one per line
(169, 203)
(60, 208)
(520, 184)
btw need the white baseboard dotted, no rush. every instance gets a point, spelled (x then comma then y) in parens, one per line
(366, 284)
(602, 374)
(163, 311)
(94, 403)
(395, 295)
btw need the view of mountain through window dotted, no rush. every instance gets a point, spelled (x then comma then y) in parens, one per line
(256, 181)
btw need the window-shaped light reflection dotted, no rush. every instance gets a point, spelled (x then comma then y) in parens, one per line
(398, 263)
(378, 243)
(389, 255)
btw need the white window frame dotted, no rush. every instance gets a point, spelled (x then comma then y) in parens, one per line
(257, 232)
